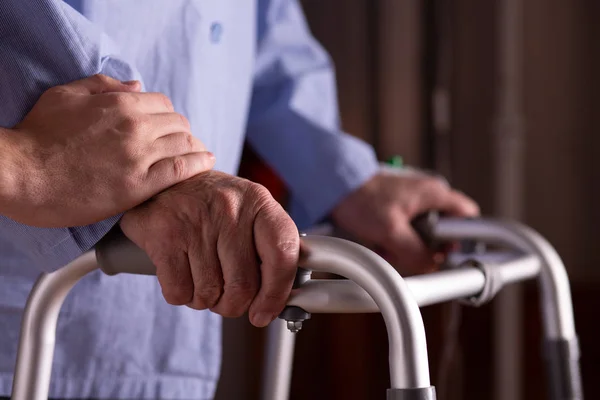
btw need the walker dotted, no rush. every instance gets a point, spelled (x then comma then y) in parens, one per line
(373, 285)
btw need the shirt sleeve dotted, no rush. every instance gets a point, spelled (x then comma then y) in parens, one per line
(44, 43)
(293, 122)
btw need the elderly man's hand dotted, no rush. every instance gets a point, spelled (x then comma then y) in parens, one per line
(379, 214)
(219, 242)
(91, 149)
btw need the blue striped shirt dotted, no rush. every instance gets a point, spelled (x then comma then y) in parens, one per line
(238, 70)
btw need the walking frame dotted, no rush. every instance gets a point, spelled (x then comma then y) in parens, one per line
(372, 285)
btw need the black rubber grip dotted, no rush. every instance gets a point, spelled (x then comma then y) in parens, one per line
(427, 393)
(562, 363)
(424, 224)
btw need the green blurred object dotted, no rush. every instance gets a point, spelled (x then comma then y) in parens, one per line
(395, 161)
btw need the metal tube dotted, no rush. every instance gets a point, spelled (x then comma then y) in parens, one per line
(518, 270)
(408, 350)
(38, 328)
(277, 372)
(343, 296)
(408, 360)
(392, 295)
(557, 307)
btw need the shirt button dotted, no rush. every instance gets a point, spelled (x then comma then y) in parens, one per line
(216, 31)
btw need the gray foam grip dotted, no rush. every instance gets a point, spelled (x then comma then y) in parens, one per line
(117, 254)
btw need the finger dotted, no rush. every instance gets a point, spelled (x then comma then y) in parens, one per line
(277, 244)
(152, 102)
(169, 171)
(437, 196)
(174, 275)
(460, 205)
(97, 84)
(145, 103)
(406, 250)
(206, 269)
(156, 126)
(175, 144)
(239, 264)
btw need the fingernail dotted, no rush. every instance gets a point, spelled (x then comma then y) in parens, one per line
(129, 83)
(262, 319)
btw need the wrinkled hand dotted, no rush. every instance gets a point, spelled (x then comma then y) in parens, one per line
(379, 214)
(219, 242)
(96, 147)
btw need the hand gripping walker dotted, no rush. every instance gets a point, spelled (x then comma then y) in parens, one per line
(373, 286)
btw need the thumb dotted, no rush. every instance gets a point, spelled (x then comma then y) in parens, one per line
(97, 84)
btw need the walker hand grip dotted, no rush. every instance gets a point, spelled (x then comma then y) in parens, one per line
(116, 254)
(424, 225)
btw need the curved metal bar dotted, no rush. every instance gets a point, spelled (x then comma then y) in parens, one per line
(406, 334)
(556, 301)
(38, 328)
(408, 349)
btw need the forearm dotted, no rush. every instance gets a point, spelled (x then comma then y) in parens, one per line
(34, 59)
(44, 249)
(293, 122)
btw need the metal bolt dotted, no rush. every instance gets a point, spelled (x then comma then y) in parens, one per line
(294, 326)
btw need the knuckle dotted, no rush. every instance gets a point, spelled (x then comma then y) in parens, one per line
(207, 296)
(260, 194)
(100, 78)
(431, 184)
(166, 100)
(132, 124)
(390, 229)
(286, 250)
(229, 204)
(389, 217)
(184, 121)
(121, 101)
(180, 168)
(188, 142)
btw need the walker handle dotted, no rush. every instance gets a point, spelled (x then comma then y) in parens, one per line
(424, 224)
(117, 254)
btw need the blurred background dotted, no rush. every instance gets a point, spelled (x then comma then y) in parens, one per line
(500, 96)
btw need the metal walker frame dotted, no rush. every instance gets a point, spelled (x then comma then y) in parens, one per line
(373, 286)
